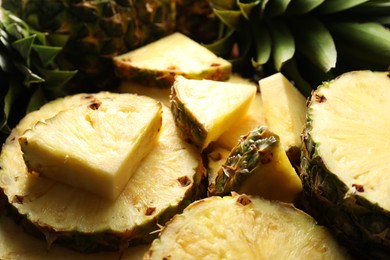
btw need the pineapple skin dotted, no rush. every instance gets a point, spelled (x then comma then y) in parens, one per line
(130, 221)
(359, 224)
(98, 30)
(258, 165)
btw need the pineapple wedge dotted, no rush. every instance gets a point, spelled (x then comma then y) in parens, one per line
(204, 109)
(72, 146)
(258, 165)
(253, 118)
(166, 181)
(159, 62)
(244, 227)
(285, 112)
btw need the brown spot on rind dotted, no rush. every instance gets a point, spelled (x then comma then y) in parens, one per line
(95, 105)
(244, 200)
(149, 211)
(320, 98)
(184, 181)
(358, 187)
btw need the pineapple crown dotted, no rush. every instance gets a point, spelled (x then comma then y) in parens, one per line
(308, 41)
(28, 71)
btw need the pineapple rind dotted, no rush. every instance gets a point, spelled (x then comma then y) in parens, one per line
(243, 227)
(333, 196)
(258, 165)
(62, 212)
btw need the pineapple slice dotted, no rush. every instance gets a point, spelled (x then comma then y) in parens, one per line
(244, 227)
(204, 109)
(72, 146)
(215, 160)
(258, 165)
(164, 183)
(176, 54)
(285, 112)
(346, 160)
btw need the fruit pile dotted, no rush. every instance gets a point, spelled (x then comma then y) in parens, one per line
(184, 158)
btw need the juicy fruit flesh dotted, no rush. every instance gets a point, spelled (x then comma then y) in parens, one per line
(285, 109)
(60, 208)
(350, 125)
(243, 227)
(177, 53)
(215, 106)
(73, 146)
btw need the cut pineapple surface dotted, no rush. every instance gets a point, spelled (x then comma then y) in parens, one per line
(243, 227)
(253, 118)
(165, 181)
(257, 165)
(71, 146)
(345, 163)
(204, 109)
(285, 111)
(175, 54)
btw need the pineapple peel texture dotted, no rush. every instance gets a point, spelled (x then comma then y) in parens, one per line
(94, 146)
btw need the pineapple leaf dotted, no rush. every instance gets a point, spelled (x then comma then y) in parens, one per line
(283, 48)
(56, 79)
(46, 53)
(29, 76)
(36, 101)
(223, 46)
(23, 47)
(277, 7)
(247, 6)
(262, 41)
(299, 7)
(262, 6)
(316, 43)
(333, 6)
(232, 18)
(371, 38)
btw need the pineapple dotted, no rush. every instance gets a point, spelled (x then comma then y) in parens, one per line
(176, 54)
(308, 41)
(97, 30)
(215, 159)
(204, 109)
(253, 118)
(258, 165)
(243, 227)
(285, 112)
(345, 165)
(100, 130)
(166, 181)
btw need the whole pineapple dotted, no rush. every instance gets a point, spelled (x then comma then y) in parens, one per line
(96, 31)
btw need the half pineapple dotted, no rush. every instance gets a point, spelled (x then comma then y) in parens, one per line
(165, 182)
(243, 227)
(345, 160)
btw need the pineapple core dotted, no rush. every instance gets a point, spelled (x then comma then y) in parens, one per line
(95, 146)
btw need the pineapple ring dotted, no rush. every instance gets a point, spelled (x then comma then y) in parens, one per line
(165, 182)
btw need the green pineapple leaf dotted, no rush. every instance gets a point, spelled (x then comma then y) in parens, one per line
(247, 6)
(46, 54)
(277, 7)
(299, 7)
(23, 47)
(262, 41)
(333, 6)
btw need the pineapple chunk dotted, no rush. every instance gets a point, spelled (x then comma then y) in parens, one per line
(244, 227)
(285, 112)
(253, 118)
(176, 54)
(258, 165)
(95, 146)
(204, 109)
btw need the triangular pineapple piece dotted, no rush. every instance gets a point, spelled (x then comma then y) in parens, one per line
(204, 109)
(166, 180)
(285, 112)
(244, 227)
(176, 54)
(258, 165)
(95, 146)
